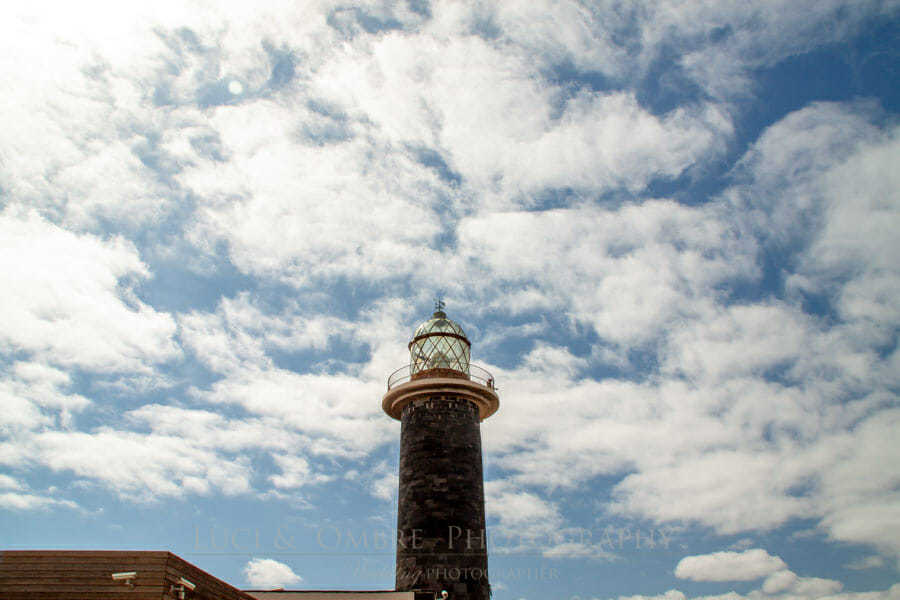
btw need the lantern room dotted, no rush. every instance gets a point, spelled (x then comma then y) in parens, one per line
(439, 343)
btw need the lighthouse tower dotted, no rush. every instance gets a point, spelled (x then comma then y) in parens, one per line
(440, 399)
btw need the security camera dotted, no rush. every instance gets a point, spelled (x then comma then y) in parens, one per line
(125, 576)
(189, 585)
(183, 585)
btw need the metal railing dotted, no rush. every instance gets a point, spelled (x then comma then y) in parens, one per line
(476, 374)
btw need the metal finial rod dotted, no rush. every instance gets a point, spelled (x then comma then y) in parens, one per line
(439, 304)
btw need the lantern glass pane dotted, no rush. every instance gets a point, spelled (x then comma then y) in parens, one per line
(438, 351)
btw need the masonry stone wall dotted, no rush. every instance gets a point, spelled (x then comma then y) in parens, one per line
(441, 542)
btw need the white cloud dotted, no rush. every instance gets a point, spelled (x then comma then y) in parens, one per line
(503, 127)
(729, 566)
(755, 564)
(297, 211)
(783, 181)
(265, 573)
(382, 479)
(212, 431)
(786, 411)
(772, 335)
(516, 508)
(721, 44)
(20, 412)
(553, 360)
(8, 483)
(669, 595)
(21, 501)
(159, 451)
(815, 589)
(866, 562)
(295, 472)
(70, 299)
(212, 339)
(336, 413)
(36, 395)
(93, 98)
(731, 412)
(522, 521)
(860, 481)
(242, 333)
(70, 144)
(780, 581)
(577, 549)
(805, 589)
(742, 544)
(629, 271)
(752, 36)
(851, 258)
(291, 206)
(140, 467)
(15, 495)
(730, 490)
(340, 412)
(385, 487)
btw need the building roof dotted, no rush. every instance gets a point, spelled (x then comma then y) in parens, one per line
(87, 575)
(332, 595)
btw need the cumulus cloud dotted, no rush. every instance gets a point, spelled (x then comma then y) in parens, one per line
(729, 566)
(340, 410)
(337, 413)
(74, 141)
(631, 271)
(621, 40)
(669, 595)
(782, 183)
(523, 521)
(242, 333)
(70, 299)
(265, 573)
(385, 487)
(755, 564)
(140, 467)
(21, 501)
(520, 512)
(779, 583)
(866, 562)
(644, 274)
(817, 589)
(8, 483)
(744, 378)
(14, 495)
(38, 396)
(726, 360)
(295, 472)
(849, 259)
(506, 132)
(296, 212)
(160, 451)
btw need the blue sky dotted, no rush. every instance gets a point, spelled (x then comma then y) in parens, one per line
(668, 228)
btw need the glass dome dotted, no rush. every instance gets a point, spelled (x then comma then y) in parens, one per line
(439, 343)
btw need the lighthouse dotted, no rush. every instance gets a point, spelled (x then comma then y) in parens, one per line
(440, 399)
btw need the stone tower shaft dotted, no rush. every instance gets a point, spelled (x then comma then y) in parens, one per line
(441, 536)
